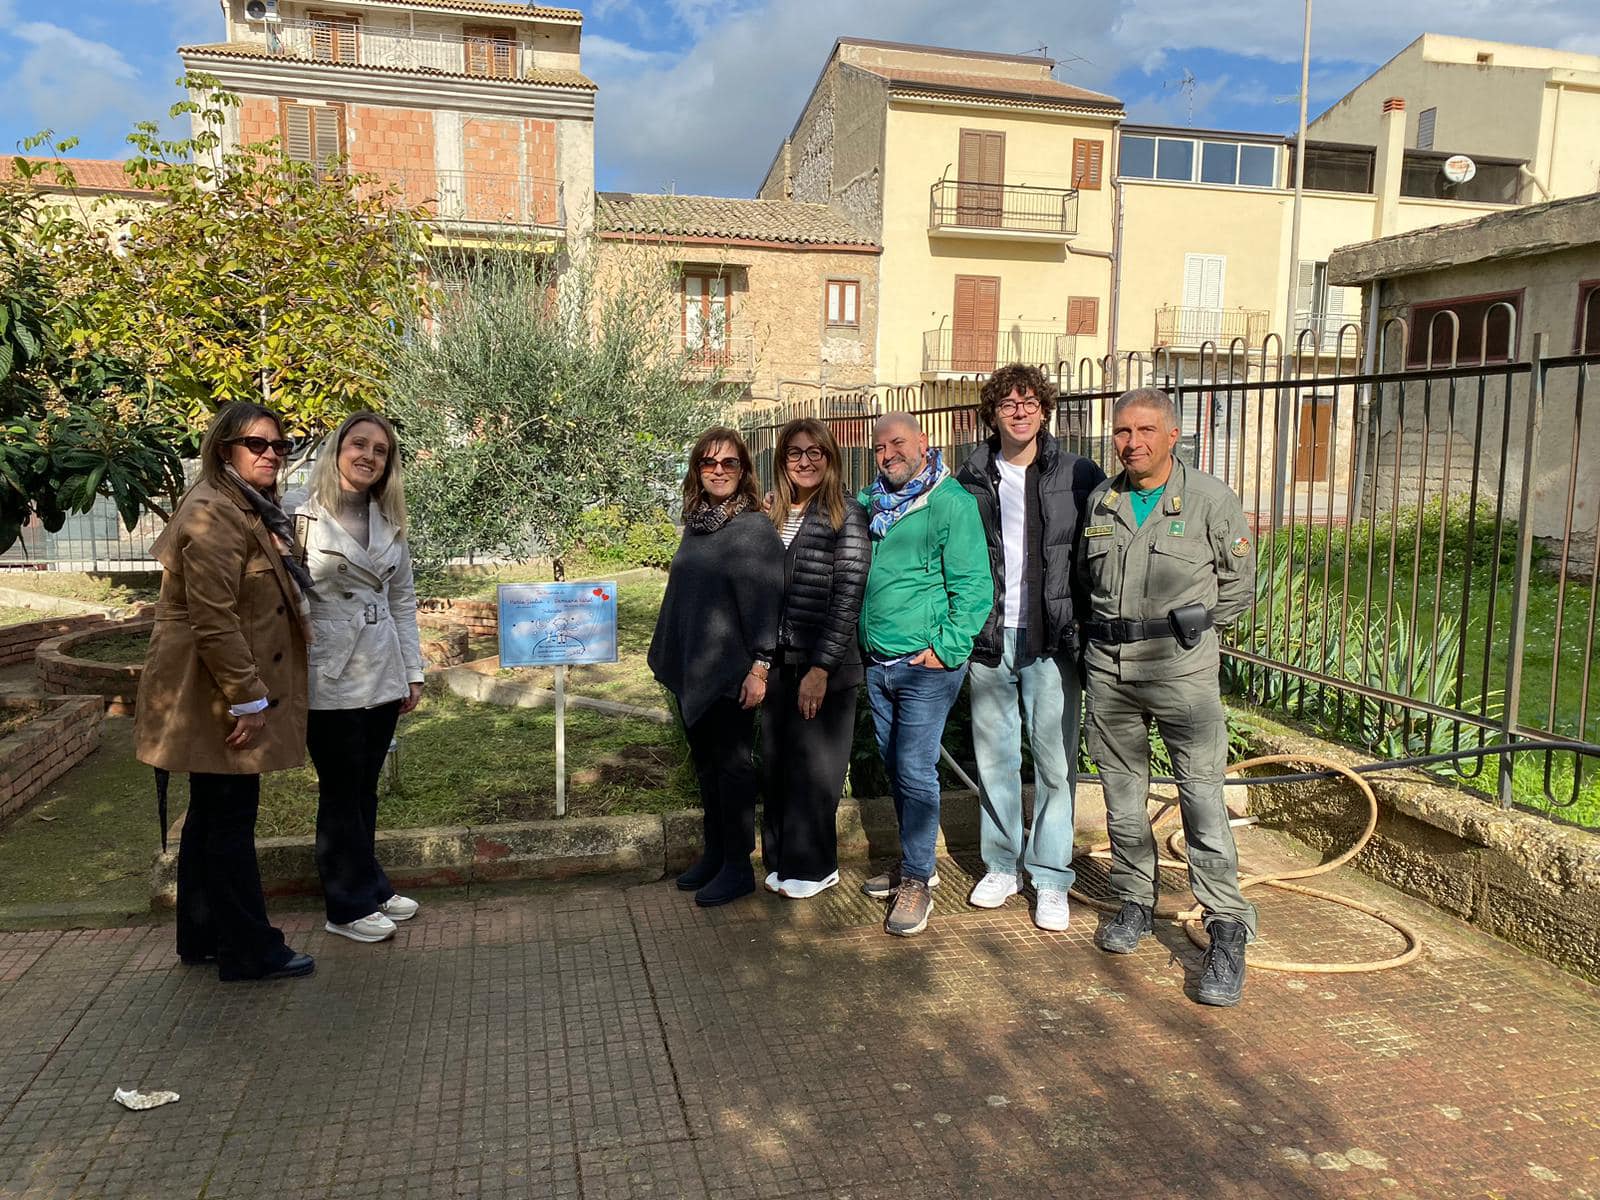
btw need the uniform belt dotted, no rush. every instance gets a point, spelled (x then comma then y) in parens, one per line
(1122, 630)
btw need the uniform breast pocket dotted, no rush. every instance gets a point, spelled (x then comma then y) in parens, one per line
(1178, 566)
(1100, 568)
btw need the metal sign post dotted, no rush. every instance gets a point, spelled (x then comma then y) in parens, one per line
(558, 625)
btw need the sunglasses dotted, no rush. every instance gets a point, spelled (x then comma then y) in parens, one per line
(258, 446)
(727, 464)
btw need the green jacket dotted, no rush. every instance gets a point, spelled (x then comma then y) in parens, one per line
(929, 585)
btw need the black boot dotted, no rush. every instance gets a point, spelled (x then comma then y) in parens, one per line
(734, 880)
(1122, 933)
(703, 872)
(1222, 970)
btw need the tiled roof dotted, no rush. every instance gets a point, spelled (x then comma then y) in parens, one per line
(557, 77)
(1048, 91)
(510, 10)
(92, 174)
(721, 217)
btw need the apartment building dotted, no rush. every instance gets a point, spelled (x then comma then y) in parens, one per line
(778, 299)
(985, 180)
(478, 112)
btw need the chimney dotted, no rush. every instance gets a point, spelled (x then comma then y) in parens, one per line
(1389, 161)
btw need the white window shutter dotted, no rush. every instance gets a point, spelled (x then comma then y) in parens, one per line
(1193, 279)
(297, 132)
(1305, 286)
(1216, 269)
(849, 304)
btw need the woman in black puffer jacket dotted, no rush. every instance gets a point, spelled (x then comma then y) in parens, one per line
(809, 717)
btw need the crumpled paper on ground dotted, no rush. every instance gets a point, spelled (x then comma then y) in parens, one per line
(138, 1100)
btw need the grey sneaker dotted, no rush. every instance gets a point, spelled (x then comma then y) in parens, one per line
(909, 913)
(1122, 933)
(882, 887)
(1222, 970)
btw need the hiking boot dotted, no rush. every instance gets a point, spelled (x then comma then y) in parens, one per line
(703, 872)
(1121, 934)
(993, 890)
(909, 914)
(881, 887)
(1222, 969)
(733, 881)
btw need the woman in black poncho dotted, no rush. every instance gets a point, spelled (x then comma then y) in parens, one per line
(712, 647)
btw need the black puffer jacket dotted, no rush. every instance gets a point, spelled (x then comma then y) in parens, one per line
(825, 576)
(1060, 482)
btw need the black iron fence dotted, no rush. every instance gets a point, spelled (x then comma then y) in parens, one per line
(1427, 575)
(955, 204)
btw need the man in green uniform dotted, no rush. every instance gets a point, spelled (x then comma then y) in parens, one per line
(1167, 559)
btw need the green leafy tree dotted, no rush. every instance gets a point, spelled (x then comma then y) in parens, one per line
(521, 410)
(249, 276)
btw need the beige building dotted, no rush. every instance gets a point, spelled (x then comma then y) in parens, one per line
(986, 182)
(476, 111)
(1536, 107)
(777, 298)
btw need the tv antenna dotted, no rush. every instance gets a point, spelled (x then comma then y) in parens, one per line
(1185, 84)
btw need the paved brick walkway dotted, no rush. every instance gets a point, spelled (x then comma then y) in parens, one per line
(620, 1043)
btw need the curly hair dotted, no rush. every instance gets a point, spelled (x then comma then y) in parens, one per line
(1024, 379)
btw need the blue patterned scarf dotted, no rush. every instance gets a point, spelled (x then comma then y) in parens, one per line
(886, 507)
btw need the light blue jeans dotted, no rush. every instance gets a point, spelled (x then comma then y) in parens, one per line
(909, 708)
(1050, 698)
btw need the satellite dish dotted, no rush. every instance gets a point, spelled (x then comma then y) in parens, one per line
(1458, 168)
(256, 10)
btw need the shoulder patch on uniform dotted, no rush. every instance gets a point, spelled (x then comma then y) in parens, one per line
(1177, 504)
(1109, 500)
(1241, 547)
(1099, 531)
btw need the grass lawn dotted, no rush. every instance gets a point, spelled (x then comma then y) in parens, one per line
(97, 588)
(19, 616)
(119, 648)
(479, 583)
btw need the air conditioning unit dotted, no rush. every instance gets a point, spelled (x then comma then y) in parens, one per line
(261, 10)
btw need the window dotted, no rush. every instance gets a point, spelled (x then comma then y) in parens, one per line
(1175, 159)
(1422, 174)
(1425, 123)
(1083, 315)
(1219, 162)
(1488, 330)
(1086, 159)
(705, 316)
(1323, 308)
(490, 50)
(333, 37)
(1258, 166)
(1586, 334)
(1138, 158)
(844, 302)
(312, 133)
(980, 177)
(1337, 169)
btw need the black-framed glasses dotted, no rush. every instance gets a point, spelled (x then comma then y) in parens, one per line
(258, 446)
(810, 453)
(731, 463)
(1010, 408)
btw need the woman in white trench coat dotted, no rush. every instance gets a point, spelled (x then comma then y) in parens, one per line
(366, 661)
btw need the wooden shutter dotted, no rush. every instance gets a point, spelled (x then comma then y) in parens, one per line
(975, 326)
(333, 37)
(1083, 315)
(313, 133)
(1088, 155)
(980, 176)
(1311, 448)
(490, 50)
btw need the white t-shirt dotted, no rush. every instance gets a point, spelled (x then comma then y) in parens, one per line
(1013, 526)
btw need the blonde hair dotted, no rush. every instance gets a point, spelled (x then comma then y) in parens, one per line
(327, 490)
(830, 492)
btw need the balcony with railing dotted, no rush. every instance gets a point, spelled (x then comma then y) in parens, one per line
(957, 208)
(947, 351)
(731, 358)
(1186, 327)
(475, 199)
(1330, 333)
(357, 43)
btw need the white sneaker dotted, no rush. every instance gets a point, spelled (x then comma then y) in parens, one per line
(1051, 912)
(374, 927)
(804, 889)
(399, 908)
(772, 883)
(993, 890)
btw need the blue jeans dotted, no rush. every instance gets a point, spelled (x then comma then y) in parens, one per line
(1051, 700)
(909, 708)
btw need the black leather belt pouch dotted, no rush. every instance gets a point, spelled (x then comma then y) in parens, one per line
(1189, 624)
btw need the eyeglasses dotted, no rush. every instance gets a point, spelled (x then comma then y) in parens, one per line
(258, 446)
(1010, 408)
(727, 464)
(810, 453)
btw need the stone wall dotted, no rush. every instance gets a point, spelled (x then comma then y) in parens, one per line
(60, 672)
(480, 618)
(18, 642)
(444, 643)
(66, 732)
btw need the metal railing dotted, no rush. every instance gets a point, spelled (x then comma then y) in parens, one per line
(1428, 579)
(361, 43)
(1185, 327)
(475, 197)
(1331, 333)
(733, 358)
(948, 351)
(955, 204)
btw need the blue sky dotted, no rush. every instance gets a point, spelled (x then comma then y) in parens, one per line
(696, 95)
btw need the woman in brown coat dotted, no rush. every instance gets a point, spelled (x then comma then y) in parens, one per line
(223, 691)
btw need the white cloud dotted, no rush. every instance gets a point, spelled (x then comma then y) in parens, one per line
(68, 82)
(598, 48)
